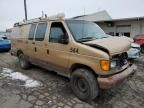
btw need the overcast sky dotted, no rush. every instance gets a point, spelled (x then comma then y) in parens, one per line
(12, 11)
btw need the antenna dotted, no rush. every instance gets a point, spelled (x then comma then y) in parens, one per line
(83, 24)
(25, 8)
(42, 14)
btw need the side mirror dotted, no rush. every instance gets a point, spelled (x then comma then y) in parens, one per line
(64, 41)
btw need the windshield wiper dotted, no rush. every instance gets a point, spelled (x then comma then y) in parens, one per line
(104, 37)
(86, 39)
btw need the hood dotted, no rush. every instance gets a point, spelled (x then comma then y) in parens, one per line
(130, 39)
(114, 45)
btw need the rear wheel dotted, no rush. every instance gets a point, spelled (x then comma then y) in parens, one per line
(142, 48)
(23, 62)
(84, 84)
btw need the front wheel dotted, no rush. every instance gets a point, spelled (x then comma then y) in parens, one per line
(84, 84)
(24, 64)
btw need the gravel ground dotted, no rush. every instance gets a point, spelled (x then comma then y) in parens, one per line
(49, 90)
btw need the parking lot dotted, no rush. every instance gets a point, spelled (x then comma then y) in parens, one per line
(39, 88)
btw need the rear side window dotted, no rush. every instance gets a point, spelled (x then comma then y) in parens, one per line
(40, 32)
(32, 31)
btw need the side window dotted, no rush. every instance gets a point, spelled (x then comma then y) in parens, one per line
(40, 32)
(57, 32)
(32, 31)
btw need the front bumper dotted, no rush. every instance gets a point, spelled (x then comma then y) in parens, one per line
(110, 81)
(4, 48)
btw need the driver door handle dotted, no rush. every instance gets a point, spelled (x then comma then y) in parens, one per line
(48, 51)
(33, 42)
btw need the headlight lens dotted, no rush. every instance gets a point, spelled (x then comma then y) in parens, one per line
(113, 64)
(105, 65)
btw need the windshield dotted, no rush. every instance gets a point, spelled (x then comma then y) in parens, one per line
(3, 38)
(85, 30)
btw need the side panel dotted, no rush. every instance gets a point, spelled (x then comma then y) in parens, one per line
(39, 47)
(19, 38)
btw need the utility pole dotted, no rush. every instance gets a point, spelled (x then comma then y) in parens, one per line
(25, 8)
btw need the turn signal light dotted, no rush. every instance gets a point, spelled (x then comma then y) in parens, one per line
(105, 65)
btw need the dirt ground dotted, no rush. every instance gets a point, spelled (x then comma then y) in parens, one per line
(39, 88)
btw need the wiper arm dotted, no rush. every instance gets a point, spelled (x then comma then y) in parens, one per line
(104, 37)
(86, 39)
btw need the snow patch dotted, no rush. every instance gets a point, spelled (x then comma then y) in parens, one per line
(29, 82)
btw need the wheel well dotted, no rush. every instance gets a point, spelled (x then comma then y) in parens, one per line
(76, 66)
(19, 52)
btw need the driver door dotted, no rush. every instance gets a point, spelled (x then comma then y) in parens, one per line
(58, 56)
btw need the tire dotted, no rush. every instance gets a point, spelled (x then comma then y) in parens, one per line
(23, 62)
(142, 48)
(84, 84)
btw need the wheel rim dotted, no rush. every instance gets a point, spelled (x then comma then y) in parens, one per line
(81, 84)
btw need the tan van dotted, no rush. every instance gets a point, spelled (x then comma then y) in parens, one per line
(77, 49)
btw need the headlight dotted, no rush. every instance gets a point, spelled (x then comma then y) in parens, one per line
(113, 64)
(105, 65)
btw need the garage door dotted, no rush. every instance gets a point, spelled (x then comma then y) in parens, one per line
(123, 29)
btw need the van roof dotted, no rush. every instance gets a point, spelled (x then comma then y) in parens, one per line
(40, 19)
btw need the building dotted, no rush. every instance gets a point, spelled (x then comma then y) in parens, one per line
(5, 33)
(129, 26)
(126, 26)
(98, 16)
(2, 33)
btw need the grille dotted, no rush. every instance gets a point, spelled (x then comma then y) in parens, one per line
(121, 59)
